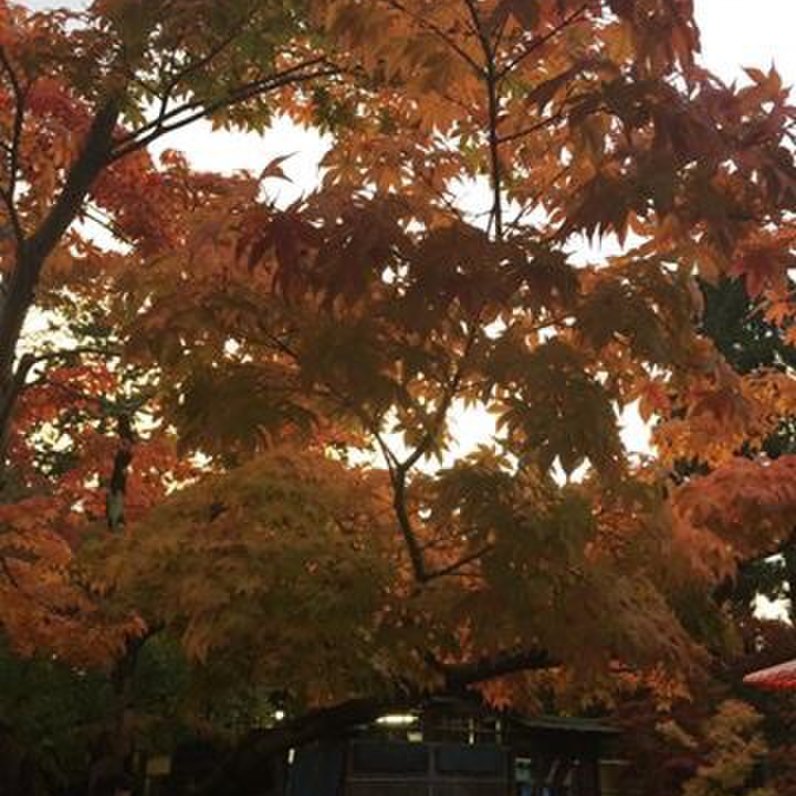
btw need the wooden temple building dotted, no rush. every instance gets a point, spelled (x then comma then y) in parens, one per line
(454, 750)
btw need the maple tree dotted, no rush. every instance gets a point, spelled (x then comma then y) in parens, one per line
(750, 342)
(724, 738)
(664, 740)
(244, 444)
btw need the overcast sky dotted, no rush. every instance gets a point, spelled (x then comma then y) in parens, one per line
(735, 33)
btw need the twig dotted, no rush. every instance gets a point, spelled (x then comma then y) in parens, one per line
(191, 68)
(427, 23)
(456, 566)
(399, 474)
(541, 41)
(67, 353)
(158, 127)
(533, 128)
(107, 224)
(8, 192)
(12, 578)
(491, 79)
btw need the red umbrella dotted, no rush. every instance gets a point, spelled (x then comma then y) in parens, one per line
(781, 677)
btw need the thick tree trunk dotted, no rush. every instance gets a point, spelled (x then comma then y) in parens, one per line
(33, 251)
(113, 761)
(789, 555)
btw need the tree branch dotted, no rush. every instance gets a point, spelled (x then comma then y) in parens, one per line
(69, 353)
(447, 399)
(336, 721)
(428, 24)
(8, 193)
(94, 156)
(97, 152)
(331, 722)
(459, 564)
(10, 576)
(107, 224)
(117, 485)
(398, 479)
(491, 78)
(10, 394)
(399, 472)
(35, 250)
(540, 42)
(461, 675)
(533, 128)
(197, 109)
(192, 68)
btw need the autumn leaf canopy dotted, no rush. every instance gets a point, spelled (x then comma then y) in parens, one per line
(238, 428)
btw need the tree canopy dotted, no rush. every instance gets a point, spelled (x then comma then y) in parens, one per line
(233, 434)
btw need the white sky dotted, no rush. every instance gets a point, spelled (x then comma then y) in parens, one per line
(735, 33)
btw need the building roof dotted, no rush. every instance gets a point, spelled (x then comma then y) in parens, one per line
(565, 723)
(781, 677)
(542, 722)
